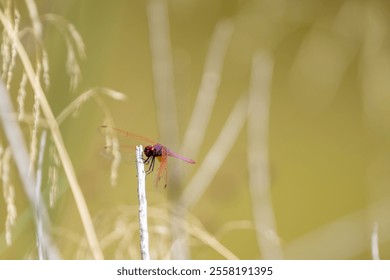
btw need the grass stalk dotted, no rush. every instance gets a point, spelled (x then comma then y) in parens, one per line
(166, 109)
(41, 244)
(208, 90)
(143, 206)
(84, 97)
(259, 178)
(375, 242)
(163, 74)
(20, 154)
(57, 138)
(217, 154)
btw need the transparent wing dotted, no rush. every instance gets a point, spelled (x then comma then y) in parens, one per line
(162, 174)
(120, 153)
(123, 136)
(120, 144)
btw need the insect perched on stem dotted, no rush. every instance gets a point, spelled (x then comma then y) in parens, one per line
(152, 151)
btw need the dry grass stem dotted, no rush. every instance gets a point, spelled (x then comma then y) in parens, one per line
(232, 226)
(57, 138)
(72, 66)
(34, 132)
(41, 244)
(375, 242)
(8, 193)
(85, 96)
(13, 53)
(164, 84)
(69, 31)
(259, 177)
(194, 228)
(54, 166)
(217, 154)
(21, 158)
(6, 42)
(162, 64)
(22, 96)
(8, 51)
(208, 90)
(45, 68)
(211, 241)
(112, 142)
(110, 139)
(75, 47)
(123, 231)
(143, 206)
(34, 16)
(115, 162)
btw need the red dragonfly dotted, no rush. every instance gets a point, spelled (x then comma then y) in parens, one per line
(152, 151)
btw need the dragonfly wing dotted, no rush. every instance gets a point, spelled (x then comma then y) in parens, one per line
(162, 174)
(123, 135)
(120, 143)
(123, 153)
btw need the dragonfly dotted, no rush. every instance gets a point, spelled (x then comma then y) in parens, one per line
(152, 151)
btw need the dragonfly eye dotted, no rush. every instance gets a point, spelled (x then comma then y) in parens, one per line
(149, 151)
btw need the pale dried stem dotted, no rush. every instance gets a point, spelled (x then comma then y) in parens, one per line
(11, 65)
(69, 31)
(143, 206)
(54, 166)
(162, 65)
(22, 97)
(75, 47)
(34, 131)
(21, 157)
(211, 241)
(111, 141)
(163, 74)
(217, 154)
(58, 141)
(375, 242)
(85, 96)
(196, 230)
(208, 90)
(259, 178)
(34, 15)
(8, 193)
(41, 242)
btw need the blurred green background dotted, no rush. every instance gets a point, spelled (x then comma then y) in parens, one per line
(328, 133)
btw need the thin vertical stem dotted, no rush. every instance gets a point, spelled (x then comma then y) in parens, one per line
(375, 242)
(58, 141)
(259, 178)
(209, 87)
(217, 154)
(20, 154)
(165, 99)
(41, 244)
(162, 65)
(143, 205)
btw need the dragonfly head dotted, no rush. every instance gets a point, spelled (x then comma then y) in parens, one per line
(149, 151)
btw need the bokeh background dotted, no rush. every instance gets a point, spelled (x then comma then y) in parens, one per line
(298, 97)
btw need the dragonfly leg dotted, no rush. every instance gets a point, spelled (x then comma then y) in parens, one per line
(150, 161)
(147, 160)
